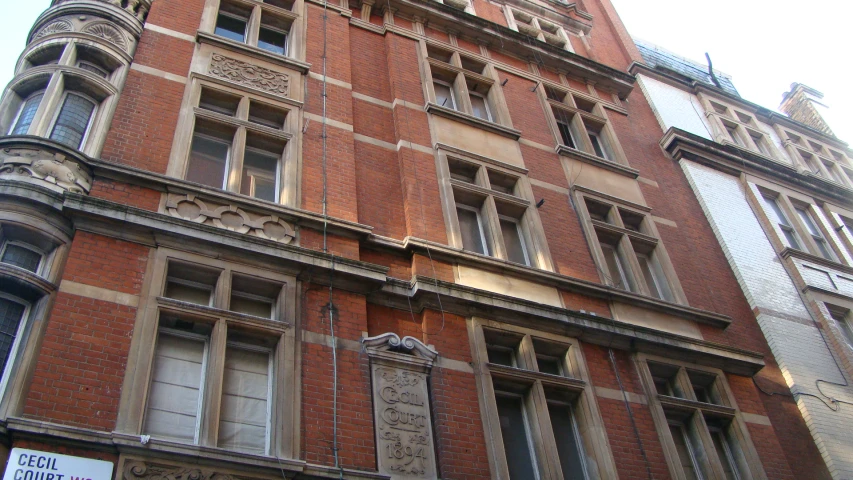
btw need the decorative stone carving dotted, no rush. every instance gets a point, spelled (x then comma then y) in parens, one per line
(230, 217)
(54, 169)
(401, 408)
(250, 75)
(108, 33)
(137, 8)
(59, 26)
(137, 470)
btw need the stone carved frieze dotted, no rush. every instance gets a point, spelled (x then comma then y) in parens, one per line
(249, 75)
(59, 26)
(54, 169)
(137, 470)
(401, 408)
(108, 33)
(230, 217)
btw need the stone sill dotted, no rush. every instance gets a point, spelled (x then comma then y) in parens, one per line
(789, 252)
(436, 109)
(575, 154)
(259, 53)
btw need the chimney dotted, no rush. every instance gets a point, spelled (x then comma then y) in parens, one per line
(803, 104)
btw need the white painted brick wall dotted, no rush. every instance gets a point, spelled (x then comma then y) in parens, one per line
(674, 107)
(798, 347)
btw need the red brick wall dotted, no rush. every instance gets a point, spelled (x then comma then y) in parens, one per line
(126, 194)
(80, 367)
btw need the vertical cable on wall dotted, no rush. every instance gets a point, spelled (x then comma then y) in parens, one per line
(331, 305)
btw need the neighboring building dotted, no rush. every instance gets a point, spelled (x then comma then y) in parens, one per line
(219, 217)
(779, 196)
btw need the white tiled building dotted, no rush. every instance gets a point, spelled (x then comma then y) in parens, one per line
(779, 197)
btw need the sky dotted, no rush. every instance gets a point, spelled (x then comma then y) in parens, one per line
(765, 45)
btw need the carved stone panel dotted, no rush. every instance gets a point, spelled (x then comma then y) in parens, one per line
(52, 169)
(401, 408)
(229, 217)
(249, 75)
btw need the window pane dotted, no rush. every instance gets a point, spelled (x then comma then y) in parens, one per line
(173, 401)
(73, 120)
(251, 305)
(471, 230)
(230, 27)
(655, 279)
(91, 67)
(21, 257)
(568, 446)
(596, 145)
(245, 392)
(272, 40)
(207, 161)
(782, 221)
(840, 318)
(725, 454)
(548, 365)
(685, 454)
(28, 111)
(519, 457)
(514, 242)
(444, 95)
(816, 234)
(260, 171)
(480, 107)
(566, 134)
(188, 292)
(11, 315)
(501, 356)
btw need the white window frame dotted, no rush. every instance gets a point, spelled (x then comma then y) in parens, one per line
(88, 124)
(190, 283)
(245, 20)
(228, 155)
(23, 325)
(14, 124)
(479, 227)
(485, 103)
(27, 246)
(277, 174)
(521, 239)
(452, 93)
(286, 34)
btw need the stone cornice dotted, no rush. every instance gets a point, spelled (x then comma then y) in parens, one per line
(519, 44)
(424, 292)
(544, 277)
(734, 161)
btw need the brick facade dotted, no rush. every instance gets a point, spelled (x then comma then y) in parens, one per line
(389, 264)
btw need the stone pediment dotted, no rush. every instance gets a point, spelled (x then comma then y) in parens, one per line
(391, 345)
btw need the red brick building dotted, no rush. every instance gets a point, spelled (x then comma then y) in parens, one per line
(400, 239)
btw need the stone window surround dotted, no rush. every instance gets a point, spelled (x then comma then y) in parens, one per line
(749, 464)
(648, 234)
(745, 129)
(295, 48)
(53, 78)
(533, 28)
(598, 116)
(39, 288)
(823, 302)
(530, 223)
(284, 431)
(500, 120)
(841, 220)
(832, 164)
(577, 380)
(289, 162)
(787, 200)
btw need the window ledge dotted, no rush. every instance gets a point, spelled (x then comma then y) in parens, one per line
(788, 252)
(181, 307)
(125, 442)
(259, 53)
(513, 373)
(12, 275)
(493, 127)
(597, 161)
(585, 287)
(684, 404)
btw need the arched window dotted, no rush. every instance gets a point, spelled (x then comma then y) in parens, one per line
(72, 122)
